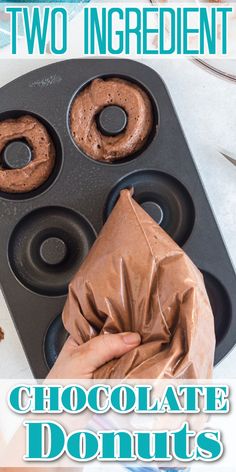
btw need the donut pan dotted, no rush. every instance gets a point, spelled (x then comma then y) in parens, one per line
(46, 233)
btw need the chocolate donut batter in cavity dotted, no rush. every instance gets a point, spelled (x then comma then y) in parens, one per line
(34, 174)
(92, 100)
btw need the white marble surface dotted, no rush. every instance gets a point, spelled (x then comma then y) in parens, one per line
(206, 108)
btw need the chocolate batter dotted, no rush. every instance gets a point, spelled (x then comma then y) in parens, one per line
(1, 334)
(35, 173)
(92, 100)
(136, 278)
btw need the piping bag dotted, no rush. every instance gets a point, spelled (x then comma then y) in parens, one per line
(136, 278)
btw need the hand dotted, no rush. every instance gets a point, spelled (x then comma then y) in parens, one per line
(76, 362)
(80, 362)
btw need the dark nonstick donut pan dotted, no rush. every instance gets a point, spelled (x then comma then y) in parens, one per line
(46, 233)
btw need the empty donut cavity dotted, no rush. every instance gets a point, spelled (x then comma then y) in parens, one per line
(47, 247)
(220, 304)
(163, 197)
(54, 340)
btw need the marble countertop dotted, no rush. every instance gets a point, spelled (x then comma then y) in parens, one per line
(206, 108)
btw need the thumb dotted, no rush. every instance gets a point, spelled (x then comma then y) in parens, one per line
(104, 348)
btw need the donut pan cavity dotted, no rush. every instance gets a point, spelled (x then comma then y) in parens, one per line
(18, 153)
(46, 233)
